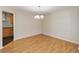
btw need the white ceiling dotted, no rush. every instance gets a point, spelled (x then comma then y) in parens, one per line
(42, 9)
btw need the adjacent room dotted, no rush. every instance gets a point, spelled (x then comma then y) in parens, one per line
(39, 29)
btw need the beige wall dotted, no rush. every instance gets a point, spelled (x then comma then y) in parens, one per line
(63, 24)
(26, 25)
(0, 29)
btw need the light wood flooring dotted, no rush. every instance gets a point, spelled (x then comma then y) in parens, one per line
(40, 44)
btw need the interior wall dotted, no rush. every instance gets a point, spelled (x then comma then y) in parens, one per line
(63, 24)
(0, 29)
(26, 25)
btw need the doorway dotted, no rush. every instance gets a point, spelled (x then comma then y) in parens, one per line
(7, 28)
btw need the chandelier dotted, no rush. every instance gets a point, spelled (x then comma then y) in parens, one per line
(39, 16)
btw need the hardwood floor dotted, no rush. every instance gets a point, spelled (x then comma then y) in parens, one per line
(40, 44)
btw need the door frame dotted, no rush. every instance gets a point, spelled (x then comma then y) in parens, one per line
(13, 26)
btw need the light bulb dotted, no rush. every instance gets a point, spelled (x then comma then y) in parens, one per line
(41, 16)
(36, 17)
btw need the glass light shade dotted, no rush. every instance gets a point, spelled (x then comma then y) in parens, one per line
(41, 16)
(36, 17)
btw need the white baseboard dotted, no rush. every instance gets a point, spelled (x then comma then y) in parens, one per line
(26, 36)
(61, 38)
(1, 47)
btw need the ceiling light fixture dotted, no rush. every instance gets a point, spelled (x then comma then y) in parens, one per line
(39, 16)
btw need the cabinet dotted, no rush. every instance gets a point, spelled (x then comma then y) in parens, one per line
(7, 35)
(7, 32)
(7, 28)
